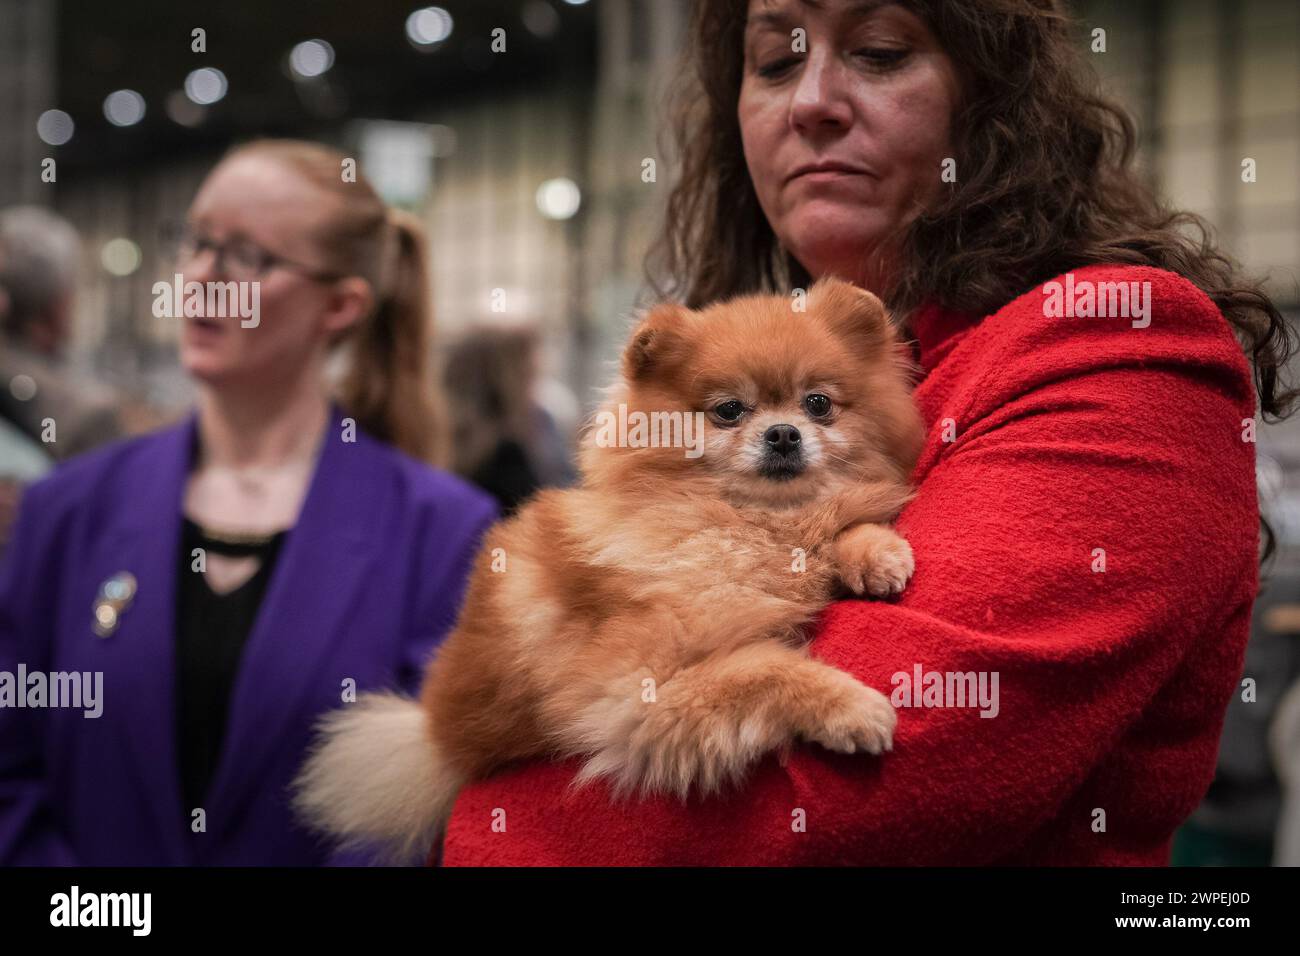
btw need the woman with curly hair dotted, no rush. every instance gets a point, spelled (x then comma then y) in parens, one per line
(1085, 526)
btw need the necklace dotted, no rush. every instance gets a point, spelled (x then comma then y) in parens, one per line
(255, 496)
(258, 480)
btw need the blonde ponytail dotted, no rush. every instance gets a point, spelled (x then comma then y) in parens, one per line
(389, 386)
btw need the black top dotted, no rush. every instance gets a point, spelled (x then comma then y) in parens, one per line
(211, 630)
(507, 475)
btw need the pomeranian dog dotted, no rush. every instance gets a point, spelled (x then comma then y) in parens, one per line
(742, 475)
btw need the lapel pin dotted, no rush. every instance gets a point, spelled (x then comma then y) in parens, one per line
(115, 596)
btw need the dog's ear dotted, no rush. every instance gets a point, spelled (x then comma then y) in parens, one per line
(851, 312)
(658, 342)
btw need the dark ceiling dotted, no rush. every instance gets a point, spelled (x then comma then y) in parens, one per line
(144, 45)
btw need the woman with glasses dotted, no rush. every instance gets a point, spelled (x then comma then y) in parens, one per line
(211, 589)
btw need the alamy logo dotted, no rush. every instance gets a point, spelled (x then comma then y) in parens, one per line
(75, 908)
(639, 429)
(76, 689)
(1104, 300)
(922, 688)
(208, 300)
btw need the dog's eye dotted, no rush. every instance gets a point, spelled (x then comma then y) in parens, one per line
(729, 411)
(818, 406)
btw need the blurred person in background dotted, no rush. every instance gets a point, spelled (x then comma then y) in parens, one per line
(1284, 752)
(1238, 822)
(22, 460)
(237, 575)
(39, 260)
(506, 442)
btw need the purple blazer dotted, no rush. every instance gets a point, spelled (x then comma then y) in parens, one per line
(368, 582)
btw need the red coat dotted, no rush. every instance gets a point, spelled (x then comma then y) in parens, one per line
(1066, 435)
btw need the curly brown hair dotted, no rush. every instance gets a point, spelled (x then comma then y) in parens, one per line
(1047, 185)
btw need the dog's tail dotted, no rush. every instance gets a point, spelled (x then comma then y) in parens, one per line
(375, 778)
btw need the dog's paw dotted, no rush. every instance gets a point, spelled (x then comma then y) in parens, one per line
(873, 560)
(854, 719)
(668, 767)
(685, 745)
(891, 570)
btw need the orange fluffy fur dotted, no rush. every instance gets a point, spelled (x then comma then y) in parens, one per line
(652, 621)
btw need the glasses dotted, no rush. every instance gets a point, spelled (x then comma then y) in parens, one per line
(240, 259)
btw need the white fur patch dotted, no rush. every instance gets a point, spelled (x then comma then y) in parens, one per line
(374, 778)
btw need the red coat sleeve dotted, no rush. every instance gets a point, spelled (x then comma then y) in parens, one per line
(1071, 440)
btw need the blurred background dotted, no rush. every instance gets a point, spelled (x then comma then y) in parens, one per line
(541, 177)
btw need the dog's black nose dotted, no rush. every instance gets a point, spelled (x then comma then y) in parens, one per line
(782, 438)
